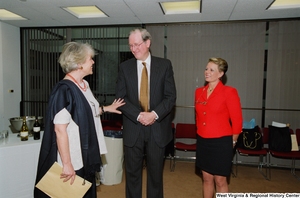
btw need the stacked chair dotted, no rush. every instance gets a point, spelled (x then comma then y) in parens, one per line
(249, 148)
(293, 155)
(183, 131)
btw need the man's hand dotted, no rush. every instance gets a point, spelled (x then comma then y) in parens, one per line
(147, 118)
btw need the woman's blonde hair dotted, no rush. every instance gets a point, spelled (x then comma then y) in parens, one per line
(74, 54)
(222, 64)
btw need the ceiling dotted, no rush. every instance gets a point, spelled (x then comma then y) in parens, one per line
(49, 13)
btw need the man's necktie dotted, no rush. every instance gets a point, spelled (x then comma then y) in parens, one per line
(144, 89)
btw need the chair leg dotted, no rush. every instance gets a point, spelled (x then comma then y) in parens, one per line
(235, 163)
(269, 164)
(293, 169)
(172, 162)
(261, 164)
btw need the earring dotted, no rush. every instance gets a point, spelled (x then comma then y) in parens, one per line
(81, 67)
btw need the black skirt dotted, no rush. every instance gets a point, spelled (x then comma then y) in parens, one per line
(214, 155)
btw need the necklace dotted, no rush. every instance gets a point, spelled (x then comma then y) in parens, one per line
(82, 88)
(210, 89)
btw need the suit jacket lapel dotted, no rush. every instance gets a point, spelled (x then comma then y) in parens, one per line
(217, 91)
(154, 69)
(204, 94)
(132, 69)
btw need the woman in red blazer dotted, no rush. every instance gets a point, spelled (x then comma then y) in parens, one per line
(219, 122)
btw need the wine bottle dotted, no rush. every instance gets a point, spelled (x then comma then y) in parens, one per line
(24, 130)
(36, 129)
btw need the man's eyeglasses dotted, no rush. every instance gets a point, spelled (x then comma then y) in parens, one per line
(136, 45)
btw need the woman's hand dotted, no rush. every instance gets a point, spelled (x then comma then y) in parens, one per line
(68, 173)
(114, 106)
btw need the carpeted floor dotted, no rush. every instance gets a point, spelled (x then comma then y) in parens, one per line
(185, 183)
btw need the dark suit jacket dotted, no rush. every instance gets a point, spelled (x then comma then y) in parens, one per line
(162, 99)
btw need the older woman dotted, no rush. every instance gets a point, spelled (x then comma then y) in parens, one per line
(73, 133)
(219, 122)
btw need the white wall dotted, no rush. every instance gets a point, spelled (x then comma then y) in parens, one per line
(10, 74)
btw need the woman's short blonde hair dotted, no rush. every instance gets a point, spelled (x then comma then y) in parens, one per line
(222, 64)
(74, 54)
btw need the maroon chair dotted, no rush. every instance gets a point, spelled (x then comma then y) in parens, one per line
(169, 150)
(184, 133)
(293, 155)
(111, 125)
(262, 155)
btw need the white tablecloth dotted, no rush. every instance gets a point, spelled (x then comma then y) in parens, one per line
(18, 164)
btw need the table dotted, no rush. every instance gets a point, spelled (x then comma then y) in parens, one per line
(18, 165)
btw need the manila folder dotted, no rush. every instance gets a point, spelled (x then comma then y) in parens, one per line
(53, 186)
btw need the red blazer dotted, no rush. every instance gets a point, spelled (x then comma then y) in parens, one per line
(219, 115)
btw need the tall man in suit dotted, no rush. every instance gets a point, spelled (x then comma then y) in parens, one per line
(148, 128)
